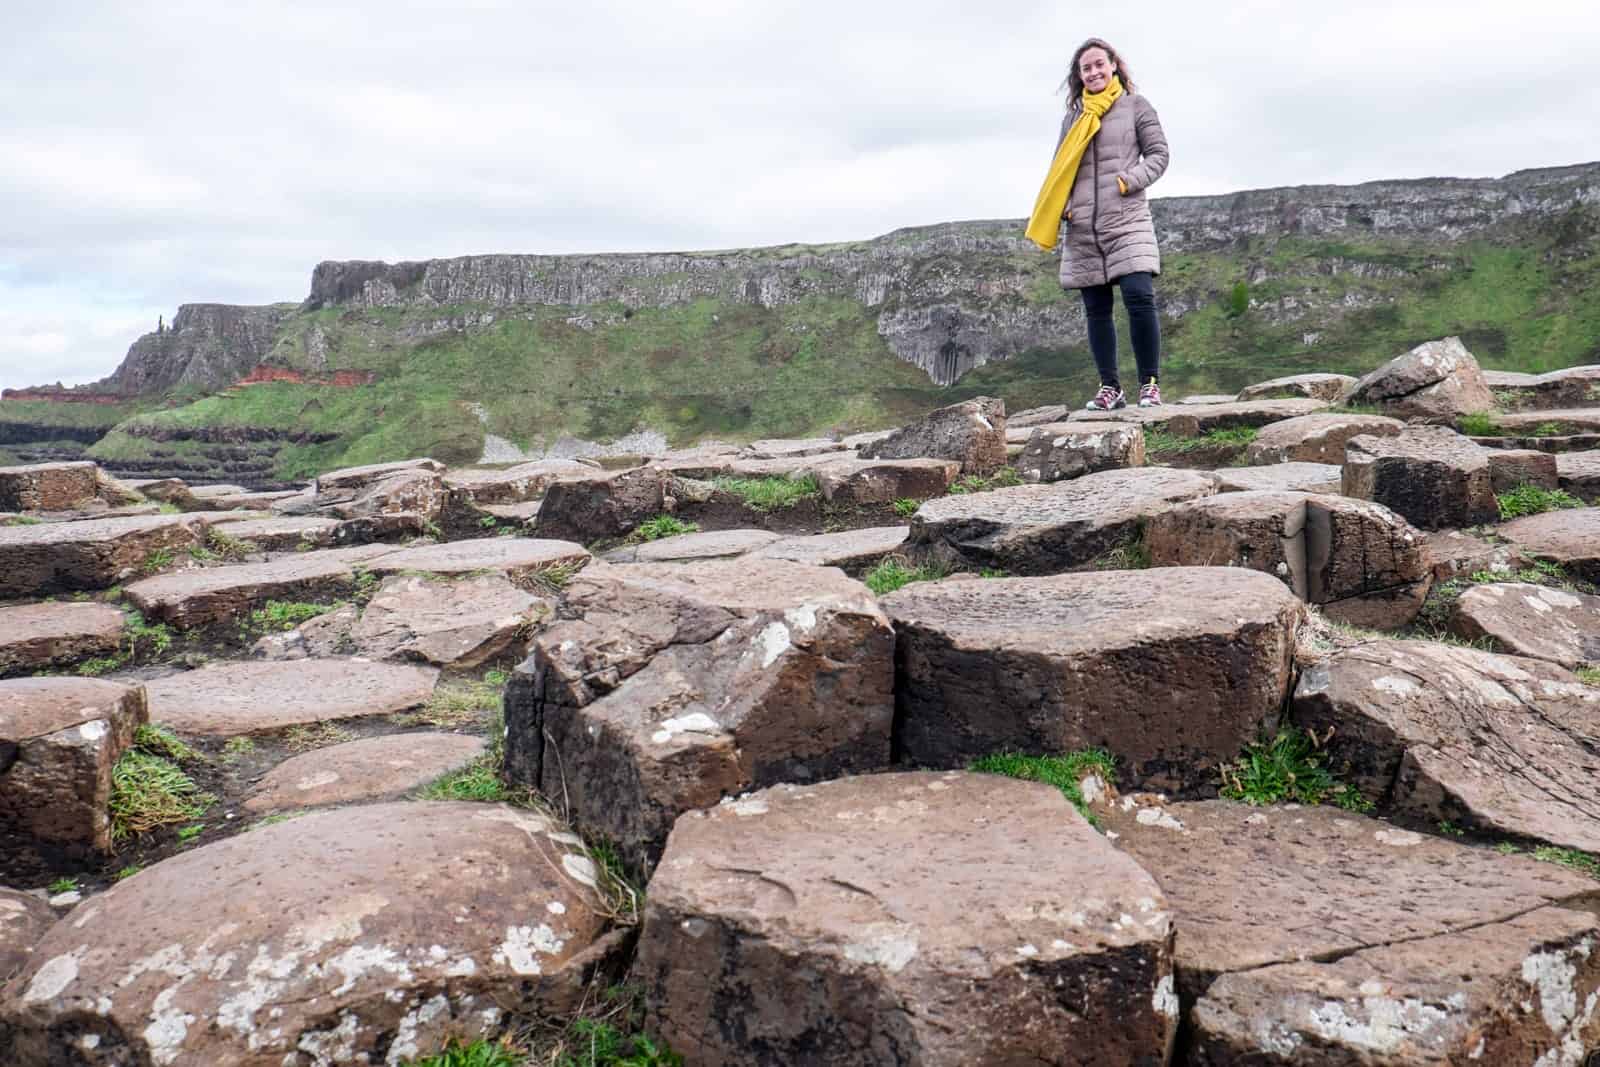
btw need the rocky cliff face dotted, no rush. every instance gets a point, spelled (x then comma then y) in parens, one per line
(208, 346)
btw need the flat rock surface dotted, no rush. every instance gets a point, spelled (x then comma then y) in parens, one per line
(1040, 529)
(1456, 553)
(849, 549)
(1045, 665)
(373, 768)
(459, 623)
(712, 544)
(1500, 744)
(905, 918)
(228, 699)
(513, 485)
(1250, 887)
(1533, 620)
(285, 532)
(24, 918)
(49, 634)
(48, 486)
(781, 448)
(1569, 537)
(1327, 387)
(365, 934)
(54, 556)
(850, 482)
(361, 477)
(1293, 477)
(516, 557)
(1318, 438)
(972, 432)
(204, 595)
(1579, 474)
(1570, 420)
(1191, 420)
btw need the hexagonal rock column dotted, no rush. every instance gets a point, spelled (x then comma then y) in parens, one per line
(24, 918)
(1042, 529)
(1267, 899)
(199, 597)
(361, 935)
(58, 556)
(228, 699)
(1327, 387)
(850, 550)
(48, 486)
(857, 482)
(1171, 669)
(1570, 538)
(1432, 475)
(1060, 450)
(1435, 378)
(369, 769)
(605, 504)
(511, 485)
(1511, 467)
(1293, 477)
(904, 919)
(1501, 744)
(515, 557)
(1569, 387)
(1532, 620)
(463, 623)
(681, 548)
(1456, 554)
(34, 637)
(1579, 474)
(973, 433)
(356, 479)
(674, 685)
(59, 738)
(1191, 420)
(1318, 438)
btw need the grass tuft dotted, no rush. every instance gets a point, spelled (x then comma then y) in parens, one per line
(1569, 857)
(1130, 555)
(1287, 769)
(1478, 424)
(1004, 478)
(279, 615)
(476, 1054)
(149, 791)
(769, 494)
(1588, 675)
(895, 572)
(307, 736)
(159, 740)
(1066, 772)
(457, 703)
(62, 885)
(661, 526)
(906, 507)
(1528, 499)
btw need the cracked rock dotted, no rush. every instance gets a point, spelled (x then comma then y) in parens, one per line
(1436, 378)
(1430, 474)
(973, 433)
(1532, 620)
(1318, 438)
(1060, 450)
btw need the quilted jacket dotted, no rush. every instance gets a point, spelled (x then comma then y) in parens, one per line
(1109, 234)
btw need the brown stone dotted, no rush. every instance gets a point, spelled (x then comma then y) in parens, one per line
(858, 482)
(1192, 420)
(24, 918)
(1570, 387)
(262, 501)
(1434, 379)
(414, 491)
(1318, 438)
(512, 485)
(207, 492)
(1512, 467)
(850, 550)
(462, 623)
(1327, 387)
(1568, 421)
(674, 685)
(1046, 665)
(1579, 474)
(35, 637)
(1570, 538)
(361, 935)
(1042, 529)
(1500, 744)
(374, 768)
(59, 738)
(201, 596)
(973, 433)
(1280, 477)
(1518, 991)
(515, 557)
(605, 504)
(1261, 531)
(284, 533)
(785, 448)
(1432, 475)
(905, 918)
(712, 544)
(1532, 620)
(229, 699)
(319, 637)
(1039, 416)
(1456, 554)
(1055, 451)
(174, 491)
(56, 557)
(358, 478)
(48, 486)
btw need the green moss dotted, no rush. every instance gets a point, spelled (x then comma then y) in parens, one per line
(770, 494)
(1066, 772)
(1287, 768)
(661, 526)
(1528, 499)
(894, 573)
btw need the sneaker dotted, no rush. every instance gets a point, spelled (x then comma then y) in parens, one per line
(1150, 394)
(1108, 398)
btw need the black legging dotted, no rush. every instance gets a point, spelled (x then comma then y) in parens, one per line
(1139, 297)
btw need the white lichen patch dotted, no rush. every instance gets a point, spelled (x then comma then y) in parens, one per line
(56, 974)
(1398, 838)
(404, 1046)
(1552, 974)
(1383, 1024)
(168, 1027)
(803, 618)
(93, 731)
(696, 722)
(887, 945)
(581, 869)
(317, 781)
(1165, 1000)
(555, 907)
(772, 642)
(1157, 817)
(524, 944)
(1399, 687)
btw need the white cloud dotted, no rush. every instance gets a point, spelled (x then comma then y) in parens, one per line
(171, 151)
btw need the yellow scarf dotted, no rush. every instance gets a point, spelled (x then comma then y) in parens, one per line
(1045, 224)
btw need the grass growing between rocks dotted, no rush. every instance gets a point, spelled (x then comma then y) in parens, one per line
(1287, 768)
(1159, 440)
(1066, 772)
(1004, 478)
(1130, 555)
(142, 641)
(1588, 675)
(1438, 611)
(149, 791)
(896, 572)
(606, 1034)
(280, 615)
(1528, 499)
(458, 703)
(1478, 424)
(769, 494)
(1582, 862)
(905, 507)
(308, 736)
(661, 526)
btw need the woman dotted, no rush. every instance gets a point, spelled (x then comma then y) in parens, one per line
(1111, 149)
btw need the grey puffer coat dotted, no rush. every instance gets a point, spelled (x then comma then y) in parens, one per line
(1108, 234)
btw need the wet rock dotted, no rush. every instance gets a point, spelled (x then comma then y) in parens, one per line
(1041, 529)
(1435, 379)
(714, 544)
(1252, 887)
(59, 738)
(1579, 474)
(1456, 554)
(1570, 538)
(1055, 451)
(1280, 477)
(1191, 420)
(374, 768)
(514, 557)
(35, 637)
(604, 505)
(461, 624)
(57, 557)
(1045, 666)
(859, 482)
(973, 433)
(671, 686)
(1518, 991)
(284, 533)
(366, 934)
(1318, 438)
(203, 596)
(1500, 744)
(24, 918)
(1327, 387)
(49, 486)
(230, 699)
(905, 918)
(1532, 620)
(850, 550)
(1512, 467)
(1433, 476)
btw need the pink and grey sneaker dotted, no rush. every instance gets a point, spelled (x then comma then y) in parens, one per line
(1108, 398)
(1150, 394)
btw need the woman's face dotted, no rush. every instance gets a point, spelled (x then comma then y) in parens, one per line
(1095, 68)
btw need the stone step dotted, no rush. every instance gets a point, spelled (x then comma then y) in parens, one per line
(1579, 474)
(235, 699)
(514, 557)
(38, 637)
(1280, 477)
(208, 595)
(1058, 450)
(49, 486)
(1329, 387)
(1172, 669)
(459, 623)
(365, 934)
(713, 544)
(972, 433)
(1191, 420)
(60, 557)
(1532, 620)
(1433, 732)
(852, 551)
(780, 448)
(905, 918)
(373, 768)
(285, 533)
(665, 687)
(511, 485)
(1318, 438)
(1571, 387)
(1433, 476)
(1570, 538)
(1585, 420)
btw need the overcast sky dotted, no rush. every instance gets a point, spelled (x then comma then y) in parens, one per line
(158, 153)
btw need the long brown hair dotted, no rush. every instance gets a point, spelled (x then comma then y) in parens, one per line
(1074, 82)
